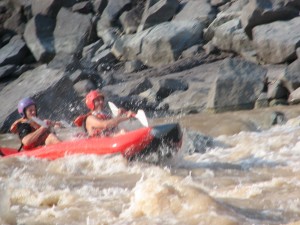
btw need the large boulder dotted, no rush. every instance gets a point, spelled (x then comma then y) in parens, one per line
(85, 7)
(128, 88)
(237, 86)
(16, 22)
(165, 42)
(39, 37)
(131, 19)
(20, 3)
(99, 6)
(193, 9)
(258, 12)
(72, 31)
(230, 13)
(6, 71)
(52, 91)
(14, 52)
(46, 7)
(113, 10)
(292, 73)
(159, 45)
(280, 90)
(157, 12)
(293, 4)
(128, 47)
(277, 42)
(231, 37)
(294, 97)
(198, 81)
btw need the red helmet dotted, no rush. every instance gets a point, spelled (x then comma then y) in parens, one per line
(91, 96)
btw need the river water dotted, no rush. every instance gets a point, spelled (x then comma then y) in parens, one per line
(249, 177)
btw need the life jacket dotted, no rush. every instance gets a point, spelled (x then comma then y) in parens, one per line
(80, 121)
(34, 126)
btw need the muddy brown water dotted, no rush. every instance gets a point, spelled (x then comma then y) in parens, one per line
(254, 181)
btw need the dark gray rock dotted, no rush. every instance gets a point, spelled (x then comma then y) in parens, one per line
(277, 42)
(99, 6)
(67, 62)
(293, 4)
(46, 7)
(199, 79)
(194, 142)
(168, 85)
(16, 22)
(70, 3)
(5, 36)
(165, 42)
(80, 75)
(190, 52)
(130, 20)
(6, 71)
(159, 45)
(53, 92)
(104, 57)
(14, 52)
(89, 51)
(294, 97)
(22, 69)
(72, 32)
(237, 86)
(157, 12)
(129, 88)
(278, 118)
(39, 37)
(231, 37)
(133, 66)
(82, 87)
(278, 90)
(21, 3)
(114, 9)
(258, 12)
(85, 7)
(292, 73)
(196, 10)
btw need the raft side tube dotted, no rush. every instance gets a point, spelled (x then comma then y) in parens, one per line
(167, 136)
(170, 132)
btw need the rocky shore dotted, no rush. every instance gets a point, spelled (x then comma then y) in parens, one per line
(168, 57)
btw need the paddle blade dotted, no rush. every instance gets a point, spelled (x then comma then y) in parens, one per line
(114, 109)
(141, 116)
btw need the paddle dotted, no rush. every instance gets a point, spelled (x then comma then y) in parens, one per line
(44, 124)
(140, 115)
(39, 122)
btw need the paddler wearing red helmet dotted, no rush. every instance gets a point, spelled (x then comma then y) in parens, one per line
(30, 132)
(98, 123)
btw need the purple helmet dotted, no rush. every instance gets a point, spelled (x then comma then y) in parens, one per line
(23, 104)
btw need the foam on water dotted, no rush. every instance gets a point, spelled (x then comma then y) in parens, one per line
(254, 180)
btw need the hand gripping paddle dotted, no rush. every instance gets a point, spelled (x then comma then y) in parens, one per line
(140, 115)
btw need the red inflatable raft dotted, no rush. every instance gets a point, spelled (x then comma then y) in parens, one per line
(131, 144)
